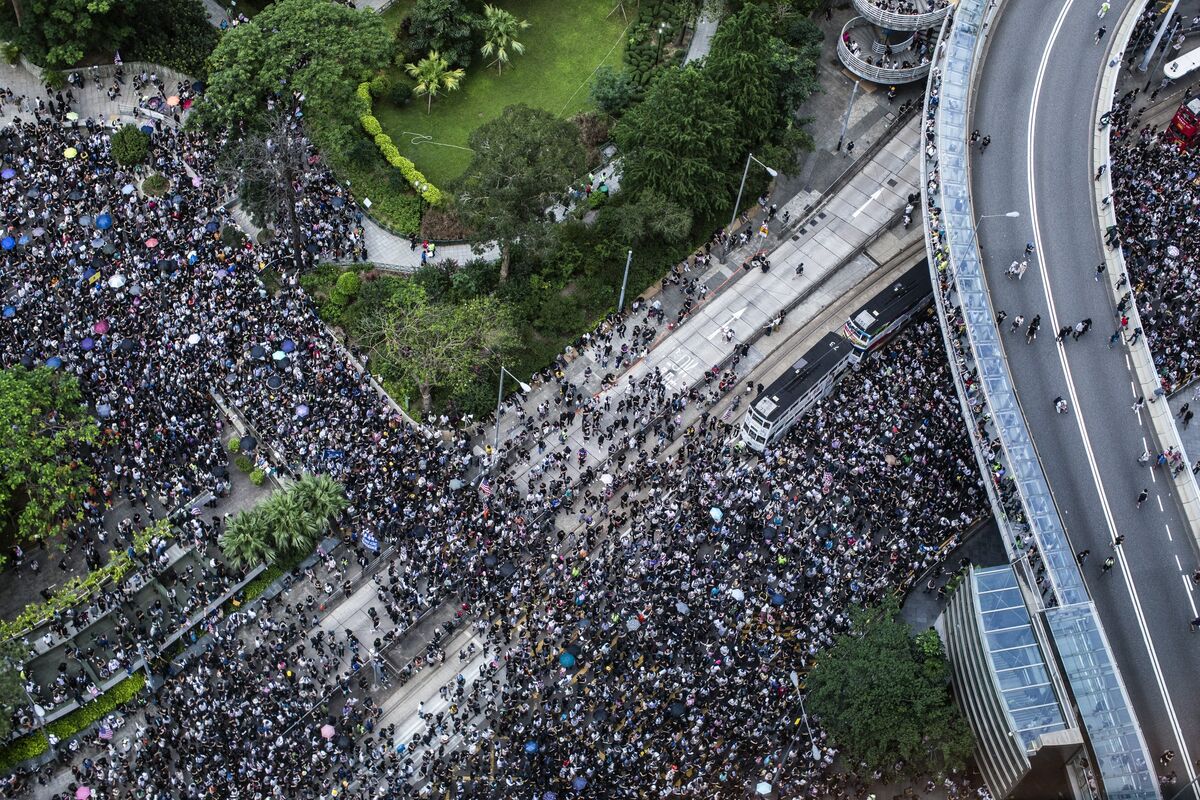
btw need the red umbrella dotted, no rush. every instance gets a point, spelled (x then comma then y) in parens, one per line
(151, 242)
(327, 731)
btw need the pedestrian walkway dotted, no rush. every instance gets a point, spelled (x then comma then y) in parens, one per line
(747, 302)
(706, 28)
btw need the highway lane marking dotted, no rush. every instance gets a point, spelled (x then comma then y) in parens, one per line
(1178, 563)
(868, 202)
(1170, 538)
(1139, 614)
(1187, 589)
(1160, 506)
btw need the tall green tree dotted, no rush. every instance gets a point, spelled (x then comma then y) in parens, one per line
(434, 76)
(44, 429)
(442, 346)
(522, 162)
(884, 699)
(321, 496)
(680, 142)
(500, 30)
(130, 146)
(739, 67)
(246, 540)
(315, 47)
(59, 33)
(442, 25)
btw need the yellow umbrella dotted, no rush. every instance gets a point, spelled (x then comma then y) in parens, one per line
(70, 152)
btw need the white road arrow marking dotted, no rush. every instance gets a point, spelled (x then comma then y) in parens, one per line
(734, 317)
(870, 200)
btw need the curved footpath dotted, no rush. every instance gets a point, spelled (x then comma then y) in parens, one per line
(1031, 100)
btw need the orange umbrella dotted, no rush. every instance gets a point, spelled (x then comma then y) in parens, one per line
(173, 100)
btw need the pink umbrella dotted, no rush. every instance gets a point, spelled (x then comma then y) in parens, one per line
(327, 731)
(83, 793)
(151, 242)
(101, 326)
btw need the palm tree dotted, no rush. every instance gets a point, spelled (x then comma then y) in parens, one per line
(500, 29)
(244, 541)
(322, 495)
(434, 76)
(294, 528)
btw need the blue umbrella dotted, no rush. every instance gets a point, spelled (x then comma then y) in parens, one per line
(54, 362)
(579, 783)
(211, 227)
(9, 312)
(8, 243)
(104, 221)
(24, 240)
(147, 129)
(531, 747)
(88, 343)
(567, 660)
(287, 346)
(8, 174)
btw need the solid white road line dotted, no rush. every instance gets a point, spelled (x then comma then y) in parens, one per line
(1140, 616)
(1187, 589)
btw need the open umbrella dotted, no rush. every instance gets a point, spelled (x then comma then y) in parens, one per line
(70, 152)
(104, 221)
(258, 351)
(763, 787)
(248, 444)
(127, 188)
(147, 129)
(75, 194)
(677, 709)
(632, 624)
(23, 240)
(116, 281)
(135, 290)
(566, 660)
(606, 479)
(194, 339)
(278, 355)
(8, 174)
(455, 485)
(716, 513)
(8, 243)
(327, 731)
(152, 242)
(287, 346)
(173, 100)
(38, 232)
(220, 471)
(9, 312)
(682, 607)
(83, 793)
(578, 783)
(737, 594)
(301, 411)
(97, 243)
(274, 381)
(72, 115)
(101, 327)
(196, 181)
(198, 86)
(337, 202)
(230, 378)
(531, 747)
(88, 343)
(85, 220)
(53, 362)
(127, 345)
(104, 410)
(211, 227)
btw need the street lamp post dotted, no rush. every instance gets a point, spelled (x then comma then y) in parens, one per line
(1009, 214)
(816, 751)
(525, 387)
(737, 203)
(624, 280)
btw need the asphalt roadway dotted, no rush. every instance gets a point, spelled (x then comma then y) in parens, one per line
(1036, 98)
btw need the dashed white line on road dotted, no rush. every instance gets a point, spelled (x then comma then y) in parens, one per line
(1160, 505)
(1170, 538)
(1187, 588)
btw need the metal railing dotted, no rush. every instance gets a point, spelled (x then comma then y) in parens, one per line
(895, 21)
(872, 72)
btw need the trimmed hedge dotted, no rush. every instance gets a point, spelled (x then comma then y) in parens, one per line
(32, 745)
(408, 169)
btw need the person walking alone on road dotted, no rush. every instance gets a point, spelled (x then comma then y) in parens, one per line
(1032, 332)
(1082, 555)
(1183, 409)
(1118, 540)
(1103, 10)
(1100, 34)
(1107, 566)
(1018, 320)
(1100, 270)
(1142, 497)
(1138, 404)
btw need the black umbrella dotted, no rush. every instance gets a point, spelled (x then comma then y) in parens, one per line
(600, 716)
(507, 569)
(677, 709)
(168, 265)
(258, 351)
(127, 345)
(248, 444)
(274, 381)
(76, 195)
(489, 561)
(220, 471)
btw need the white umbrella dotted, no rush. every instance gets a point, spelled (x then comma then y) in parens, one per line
(606, 479)
(194, 339)
(116, 281)
(737, 594)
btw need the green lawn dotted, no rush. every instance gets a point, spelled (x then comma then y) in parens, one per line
(566, 41)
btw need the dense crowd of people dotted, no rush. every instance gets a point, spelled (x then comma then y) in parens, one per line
(684, 580)
(1154, 196)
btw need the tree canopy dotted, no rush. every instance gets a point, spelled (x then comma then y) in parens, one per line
(320, 49)
(44, 427)
(680, 141)
(445, 26)
(12, 695)
(740, 64)
(130, 145)
(884, 699)
(287, 523)
(500, 29)
(523, 161)
(442, 345)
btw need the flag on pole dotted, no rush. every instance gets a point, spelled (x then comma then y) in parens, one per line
(485, 487)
